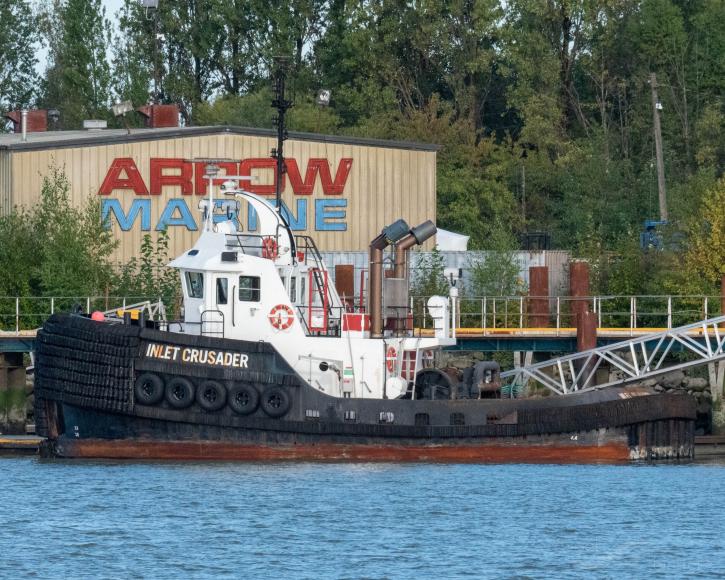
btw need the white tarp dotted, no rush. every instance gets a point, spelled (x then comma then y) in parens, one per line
(451, 242)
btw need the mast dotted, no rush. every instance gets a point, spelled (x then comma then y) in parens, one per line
(281, 105)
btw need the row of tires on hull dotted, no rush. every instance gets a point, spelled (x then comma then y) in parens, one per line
(180, 393)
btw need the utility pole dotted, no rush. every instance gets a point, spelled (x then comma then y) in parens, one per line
(281, 104)
(656, 106)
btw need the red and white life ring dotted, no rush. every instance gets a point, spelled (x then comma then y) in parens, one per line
(281, 317)
(391, 357)
(269, 248)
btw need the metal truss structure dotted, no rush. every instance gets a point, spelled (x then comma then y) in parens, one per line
(638, 359)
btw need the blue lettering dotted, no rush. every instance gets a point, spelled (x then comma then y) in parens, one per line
(297, 223)
(324, 213)
(125, 222)
(185, 218)
(229, 215)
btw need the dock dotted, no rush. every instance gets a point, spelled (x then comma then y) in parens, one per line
(20, 443)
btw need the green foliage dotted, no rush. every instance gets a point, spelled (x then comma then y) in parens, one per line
(19, 41)
(428, 277)
(54, 249)
(149, 276)
(542, 110)
(78, 78)
(497, 273)
(705, 259)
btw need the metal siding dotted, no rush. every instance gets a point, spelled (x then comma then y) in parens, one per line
(6, 193)
(557, 262)
(383, 184)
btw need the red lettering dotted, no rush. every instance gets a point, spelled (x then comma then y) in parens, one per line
(133, 179)
(330, 187)
(123, 174)
(248, 165)
(201, 182)
(183, 179)
(298, 186)
(322, 167)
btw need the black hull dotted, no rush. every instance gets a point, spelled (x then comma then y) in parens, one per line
(86, 404)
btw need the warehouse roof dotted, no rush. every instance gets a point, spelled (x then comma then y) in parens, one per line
(87, 138)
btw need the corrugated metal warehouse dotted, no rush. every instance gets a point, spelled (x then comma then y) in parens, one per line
(340, 190)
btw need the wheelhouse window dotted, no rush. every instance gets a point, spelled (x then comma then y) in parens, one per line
(249, 288)
(222, 290)
(195, 284)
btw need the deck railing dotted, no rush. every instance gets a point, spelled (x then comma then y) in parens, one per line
(18, 313)
(493, 314)
(486, 314)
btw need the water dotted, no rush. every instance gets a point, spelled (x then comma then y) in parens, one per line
(61, 519)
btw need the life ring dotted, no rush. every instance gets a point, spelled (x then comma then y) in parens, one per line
(391, 356)
(269, 248)
(281, 317)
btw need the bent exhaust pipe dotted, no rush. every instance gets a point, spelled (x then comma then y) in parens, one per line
(417, 236)
(404, 238)
(389, 235)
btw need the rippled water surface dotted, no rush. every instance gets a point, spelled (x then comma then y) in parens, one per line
(61, 519)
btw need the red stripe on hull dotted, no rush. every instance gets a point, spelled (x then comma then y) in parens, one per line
(214, 451)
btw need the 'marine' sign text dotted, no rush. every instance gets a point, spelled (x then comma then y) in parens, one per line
(184, 178)
(200, 356)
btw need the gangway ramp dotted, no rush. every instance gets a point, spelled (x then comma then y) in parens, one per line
(638, 359)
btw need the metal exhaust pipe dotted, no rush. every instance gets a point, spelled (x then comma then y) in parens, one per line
(418, 235)
(390, 235)
(24, 123)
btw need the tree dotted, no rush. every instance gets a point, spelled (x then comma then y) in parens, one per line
(705, 258)
(53, 249)
(497, 272)
(19, 35)
(134, 54)
(77, 82)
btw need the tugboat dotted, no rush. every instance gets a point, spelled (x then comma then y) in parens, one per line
(269, 362)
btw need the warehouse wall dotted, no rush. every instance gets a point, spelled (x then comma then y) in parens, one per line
(6, 200)
(383, 184)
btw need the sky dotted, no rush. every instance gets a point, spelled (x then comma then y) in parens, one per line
(112, 6)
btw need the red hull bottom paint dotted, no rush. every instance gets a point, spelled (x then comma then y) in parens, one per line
(209, 451)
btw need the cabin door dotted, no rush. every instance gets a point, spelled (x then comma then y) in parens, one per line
(223, 302)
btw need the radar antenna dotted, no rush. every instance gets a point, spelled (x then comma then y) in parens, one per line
(281, 105)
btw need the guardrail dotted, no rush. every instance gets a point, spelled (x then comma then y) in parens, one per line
(489, 314)
(18, 313)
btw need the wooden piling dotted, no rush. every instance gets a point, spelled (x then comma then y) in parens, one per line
(538, 296)
(578, 287)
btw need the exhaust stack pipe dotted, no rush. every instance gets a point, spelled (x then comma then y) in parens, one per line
(24, 124)
(417, 235)
(404, 238)
(390, 235)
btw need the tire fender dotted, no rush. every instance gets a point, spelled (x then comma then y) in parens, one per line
(243, 398)
(275, 401)
(149, 389)
(179, 393)
(211, 395)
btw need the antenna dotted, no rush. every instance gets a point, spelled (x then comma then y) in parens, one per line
(281, 105)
